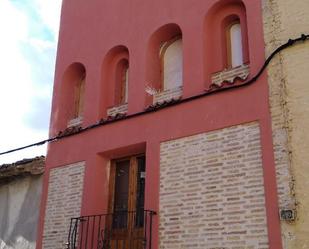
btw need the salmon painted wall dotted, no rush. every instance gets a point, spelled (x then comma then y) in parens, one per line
(90, 29)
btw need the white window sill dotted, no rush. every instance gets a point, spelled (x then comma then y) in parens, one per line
(174, 93)
(230, 75)
(121, 109)
(75, 122)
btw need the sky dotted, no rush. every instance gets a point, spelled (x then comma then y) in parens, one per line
(28, 43)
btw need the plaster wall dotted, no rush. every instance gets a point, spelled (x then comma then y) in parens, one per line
(288, 83)
(19, 212)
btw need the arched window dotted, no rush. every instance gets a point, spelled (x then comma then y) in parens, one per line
(125, 85)
(122, 82)
(115, 82)
(164, 65)
(226, 57)
(234, 45)
(72, 97)
(171, 63)
(79, 96)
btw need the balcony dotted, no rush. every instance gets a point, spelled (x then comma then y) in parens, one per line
(120, 230)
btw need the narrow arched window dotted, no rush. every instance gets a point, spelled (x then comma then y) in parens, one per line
(234, 45)
(171, 63)
(125, 84)
(122, 82)
(79, 96)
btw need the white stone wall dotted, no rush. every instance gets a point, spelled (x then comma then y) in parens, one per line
(63, 202)
(212, 191)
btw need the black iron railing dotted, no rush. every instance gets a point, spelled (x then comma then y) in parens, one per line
(120, 230)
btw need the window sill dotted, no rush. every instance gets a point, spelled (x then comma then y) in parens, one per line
(75, 122)
(168, 94)
(230, 75)
(121, 109)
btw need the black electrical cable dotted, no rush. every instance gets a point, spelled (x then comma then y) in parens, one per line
(289, 43)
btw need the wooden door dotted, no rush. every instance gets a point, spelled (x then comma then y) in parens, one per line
(126, 203)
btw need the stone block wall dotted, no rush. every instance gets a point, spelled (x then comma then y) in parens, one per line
(212, 190)
(63, 202)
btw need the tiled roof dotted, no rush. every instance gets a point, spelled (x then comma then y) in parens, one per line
(33, 166)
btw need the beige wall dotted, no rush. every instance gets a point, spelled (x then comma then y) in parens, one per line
(212, 190)
(289, 98)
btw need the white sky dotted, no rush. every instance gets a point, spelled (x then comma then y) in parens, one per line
(28, 41)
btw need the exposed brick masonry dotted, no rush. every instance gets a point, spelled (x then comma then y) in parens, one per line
(212, 192)
(64, 202)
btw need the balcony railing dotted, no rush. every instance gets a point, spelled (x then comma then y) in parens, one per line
(120, 230)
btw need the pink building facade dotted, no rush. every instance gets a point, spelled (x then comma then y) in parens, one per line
(173, 153)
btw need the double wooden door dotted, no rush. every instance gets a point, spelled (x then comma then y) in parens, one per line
(126, 203)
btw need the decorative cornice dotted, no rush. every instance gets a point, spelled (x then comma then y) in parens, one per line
(229, 76)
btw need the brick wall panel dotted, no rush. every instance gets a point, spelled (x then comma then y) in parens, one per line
(63, 202)
(212, 190)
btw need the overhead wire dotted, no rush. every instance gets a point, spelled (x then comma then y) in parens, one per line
(208, 92)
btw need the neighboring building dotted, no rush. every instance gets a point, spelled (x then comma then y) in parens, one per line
(288, 77)
(20, 195)
(162, 143)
